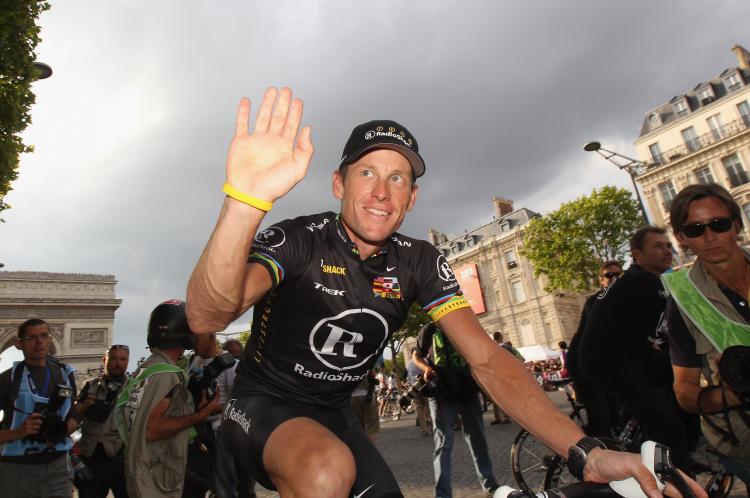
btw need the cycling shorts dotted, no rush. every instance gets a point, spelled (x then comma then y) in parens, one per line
(249, 420)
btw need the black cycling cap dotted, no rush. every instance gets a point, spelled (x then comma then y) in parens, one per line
(383, 134)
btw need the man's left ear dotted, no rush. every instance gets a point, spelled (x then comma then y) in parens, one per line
(337, 185)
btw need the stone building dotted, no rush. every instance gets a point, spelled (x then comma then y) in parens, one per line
(700, 136)
(79, 309)
(500, 284)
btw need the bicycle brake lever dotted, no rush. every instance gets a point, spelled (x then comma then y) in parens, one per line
(665, 469)
(650, 453)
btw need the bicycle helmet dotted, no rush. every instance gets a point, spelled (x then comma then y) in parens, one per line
(168, 326)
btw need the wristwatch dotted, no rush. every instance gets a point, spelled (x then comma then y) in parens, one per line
(578, 452)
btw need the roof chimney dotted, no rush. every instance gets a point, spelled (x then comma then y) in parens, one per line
(743, 56)
(502, 206)
(435, 237)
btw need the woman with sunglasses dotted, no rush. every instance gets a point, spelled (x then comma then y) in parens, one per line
(707, 312)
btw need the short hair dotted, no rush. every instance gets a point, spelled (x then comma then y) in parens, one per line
(33, 322)
(611, 262)
(562, 345)
(678, 212)
(638, 239)
(498, 336)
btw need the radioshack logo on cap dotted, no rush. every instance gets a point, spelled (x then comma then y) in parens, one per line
(391, 132)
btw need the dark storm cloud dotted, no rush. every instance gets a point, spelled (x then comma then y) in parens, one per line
(132, 129)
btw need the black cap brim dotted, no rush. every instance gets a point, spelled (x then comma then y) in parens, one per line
(415, 160)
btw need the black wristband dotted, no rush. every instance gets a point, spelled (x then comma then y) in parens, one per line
(578, 453)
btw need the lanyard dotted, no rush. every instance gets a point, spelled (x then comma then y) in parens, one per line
(43, 391)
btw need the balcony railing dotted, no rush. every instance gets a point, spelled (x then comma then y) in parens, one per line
(703, 141)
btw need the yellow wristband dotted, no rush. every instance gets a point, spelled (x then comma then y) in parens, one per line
(247, 199)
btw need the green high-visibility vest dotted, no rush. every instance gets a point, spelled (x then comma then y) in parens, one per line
(122, 399)
(721, 332)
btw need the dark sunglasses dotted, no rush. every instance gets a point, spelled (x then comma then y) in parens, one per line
(611, 274)
(119, 346)
(719, 225)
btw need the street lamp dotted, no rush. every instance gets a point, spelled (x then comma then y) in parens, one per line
(44, 70)
(633, 167)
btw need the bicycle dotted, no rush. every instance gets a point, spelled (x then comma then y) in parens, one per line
(391, 409)
(535, 467)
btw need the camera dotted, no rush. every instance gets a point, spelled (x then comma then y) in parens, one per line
(54, 429)
(425, 388)
(105, 395)
(198, 383)
(734, 368)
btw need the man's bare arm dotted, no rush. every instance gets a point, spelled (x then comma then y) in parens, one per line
(508, 382)
(161, 426)
(687, 389)
(264, 164)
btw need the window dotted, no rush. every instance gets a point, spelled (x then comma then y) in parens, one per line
(455, 249)
(704, 175)
(519, 295)
(714, 124)
(744, 110)
(510, 259)
(690, 138)
(470, 242)
(732, 82)
(667, 194)
(737, 174)
(705, 95)
(505, 226)
(746, 210)
(655, 153)
(680, 107)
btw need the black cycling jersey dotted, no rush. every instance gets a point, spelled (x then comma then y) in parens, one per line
(327, 319)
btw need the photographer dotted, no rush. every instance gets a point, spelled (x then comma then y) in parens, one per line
(100, 444)
(707, 313)
(457, 394)
(35, 396)
(155, 410)
(365, 406)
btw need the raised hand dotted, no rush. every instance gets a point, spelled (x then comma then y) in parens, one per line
(271, 160)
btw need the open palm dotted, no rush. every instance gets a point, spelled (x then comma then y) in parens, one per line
(271, 160)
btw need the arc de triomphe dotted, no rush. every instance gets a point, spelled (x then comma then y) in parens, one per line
(79, 308)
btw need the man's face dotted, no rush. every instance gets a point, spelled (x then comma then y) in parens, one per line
(34, 342)
(235, 348)
(608, 273)
(656, 255)
(711, 247)
(377, 193)
(116, 362)
(205, 345)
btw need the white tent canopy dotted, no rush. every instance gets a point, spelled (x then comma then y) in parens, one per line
(538, 352)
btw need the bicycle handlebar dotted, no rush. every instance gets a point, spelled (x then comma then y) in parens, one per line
(656, 457)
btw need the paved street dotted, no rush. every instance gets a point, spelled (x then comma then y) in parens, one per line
(409, 455)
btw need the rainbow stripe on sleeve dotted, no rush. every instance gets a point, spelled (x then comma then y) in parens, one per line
(444, 305)
(276, 270)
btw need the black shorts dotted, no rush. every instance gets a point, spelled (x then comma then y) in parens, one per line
(249, 420)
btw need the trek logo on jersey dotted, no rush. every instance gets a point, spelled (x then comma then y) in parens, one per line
(236, 415)
(271, 237)
(335, 270)
(317, 226)
(445, 272)
(333, 292)
(386, 287)
(338, 342)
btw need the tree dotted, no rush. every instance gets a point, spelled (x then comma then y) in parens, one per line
(19, 36)
(414, 321)
(568, 245)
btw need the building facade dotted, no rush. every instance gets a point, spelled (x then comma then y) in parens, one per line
(701, 136)
(79, 308)
(500, 284)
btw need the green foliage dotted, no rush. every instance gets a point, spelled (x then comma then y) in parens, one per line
(569, 245)
(19, 36)
(244, 337)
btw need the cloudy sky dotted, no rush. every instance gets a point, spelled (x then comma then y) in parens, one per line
(131, 131)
